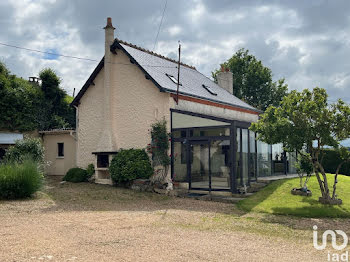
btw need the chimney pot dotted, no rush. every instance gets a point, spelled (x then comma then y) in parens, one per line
(109, 23)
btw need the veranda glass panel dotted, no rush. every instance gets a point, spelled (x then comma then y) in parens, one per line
(211, 132)
(252, 155)
(278, 161)
(220, 167)
(292, 159)
(180, 165)
(264, 159)
(184, 121)
(238, 158)
(245, 176)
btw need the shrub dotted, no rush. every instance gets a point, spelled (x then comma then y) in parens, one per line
(26, 148)
(129, 165)
(90, 170)
(76, 175)
(19, 180)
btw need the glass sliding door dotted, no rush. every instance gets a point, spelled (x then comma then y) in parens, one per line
(220, 164)
(199, 165)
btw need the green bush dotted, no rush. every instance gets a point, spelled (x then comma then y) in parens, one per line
(76, 175)
(90, 170)
(130, 164)
(26, 148)
(19, 180)
(330, 161)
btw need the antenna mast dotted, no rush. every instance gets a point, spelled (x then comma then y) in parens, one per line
(178, 75)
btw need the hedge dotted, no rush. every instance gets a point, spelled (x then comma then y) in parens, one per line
(331, 160)
(130, 164)
(76, 175)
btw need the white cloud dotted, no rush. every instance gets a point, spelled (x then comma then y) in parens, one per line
(174, 30)
(308, 44)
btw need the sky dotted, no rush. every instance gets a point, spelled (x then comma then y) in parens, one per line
(305, 42)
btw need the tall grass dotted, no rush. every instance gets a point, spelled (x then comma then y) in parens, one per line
(20, 180)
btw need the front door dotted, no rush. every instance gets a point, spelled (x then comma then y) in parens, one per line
(199, 165)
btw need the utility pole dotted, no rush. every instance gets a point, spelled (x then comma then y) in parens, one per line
(178, 76)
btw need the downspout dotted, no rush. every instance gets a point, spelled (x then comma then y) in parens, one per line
(76, 133)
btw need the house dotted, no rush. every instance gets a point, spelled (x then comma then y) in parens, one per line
(131, 88)
(60, 150)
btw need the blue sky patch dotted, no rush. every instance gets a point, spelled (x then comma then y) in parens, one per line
(52, 55)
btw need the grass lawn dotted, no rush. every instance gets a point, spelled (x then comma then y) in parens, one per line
(277, 199)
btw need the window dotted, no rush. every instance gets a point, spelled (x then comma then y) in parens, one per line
(210, 90)
(172, 78)
(60, 149)
(102, 161)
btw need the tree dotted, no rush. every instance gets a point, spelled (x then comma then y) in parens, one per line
(306, 123)
(252, 81)
(56, 112)
(19, 102)
(26, 106)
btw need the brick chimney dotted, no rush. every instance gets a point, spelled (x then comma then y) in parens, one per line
(106, 140)
(225, 79)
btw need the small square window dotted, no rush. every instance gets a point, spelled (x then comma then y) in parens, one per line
(60, 149)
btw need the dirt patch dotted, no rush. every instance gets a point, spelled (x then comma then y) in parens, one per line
(88, 222)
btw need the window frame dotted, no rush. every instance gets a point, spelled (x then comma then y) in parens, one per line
(60, 150)
(209, 89)
(173, 79)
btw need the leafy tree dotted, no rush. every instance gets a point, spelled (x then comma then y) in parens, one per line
(56, 110)
(306, 123)
(19, 102)
(252, 81)
(26, 107)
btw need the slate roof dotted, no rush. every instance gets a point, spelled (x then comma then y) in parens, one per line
(157, 68)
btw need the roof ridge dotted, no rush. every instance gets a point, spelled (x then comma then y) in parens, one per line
(153, 53)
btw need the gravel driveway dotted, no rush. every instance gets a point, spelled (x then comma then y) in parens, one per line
(87, 222)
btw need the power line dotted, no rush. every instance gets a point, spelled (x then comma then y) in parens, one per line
(75, 57)
(160, 25)
(48, 53)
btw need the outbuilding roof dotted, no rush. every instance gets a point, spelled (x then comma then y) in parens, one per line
(10, 138)
(163, 72)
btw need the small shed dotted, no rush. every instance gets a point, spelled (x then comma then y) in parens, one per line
(60, 150)
(7, 139)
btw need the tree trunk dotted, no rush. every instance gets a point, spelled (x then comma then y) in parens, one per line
(336, 178)
(326, 198)
(320, 183)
